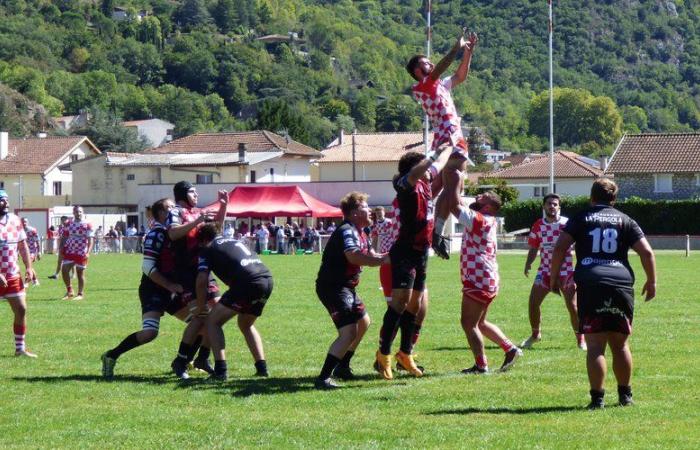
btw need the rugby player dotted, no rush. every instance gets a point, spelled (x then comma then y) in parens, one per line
(345, 253)
(604, 278)
(13, 240)
(158, 292)
(543, 236)
(75, 244)
(34, 245)
(480, 280)
(182, 224)
(59, 233)
(250, 285)
(434, 95)
(409, 257)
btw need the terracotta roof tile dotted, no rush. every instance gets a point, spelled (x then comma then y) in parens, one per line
(566, 165)
(373, 147)
(37, 155)
(255, 141)
(656, 153)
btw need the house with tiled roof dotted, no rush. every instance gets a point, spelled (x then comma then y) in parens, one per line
(573, 175)
(109, 182)
(157, 131)
(657, 166)
(31, 169)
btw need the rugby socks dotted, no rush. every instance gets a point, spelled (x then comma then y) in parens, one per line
(580, 339)
(482, 362)
(184, 351)
(193, 348)
(328, 366)
(20, 331)
(506, 345)
(345, 362)
(388, 331)
(407, 323)
(416, 334)
(261, 368)
(129, 342)
(220, 367)
(204, 353)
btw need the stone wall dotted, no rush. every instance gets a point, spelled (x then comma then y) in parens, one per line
(642, 185)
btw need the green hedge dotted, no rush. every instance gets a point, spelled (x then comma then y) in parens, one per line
(654, 216)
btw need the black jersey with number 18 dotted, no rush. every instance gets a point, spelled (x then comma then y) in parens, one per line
(603, 237)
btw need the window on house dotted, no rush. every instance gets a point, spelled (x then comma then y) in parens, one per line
(272, 174)
(253, 176)
(130, 177)
(2, 185)
(663, 182)
(74, 158)
(537, 192)
(57, 188)
(206, 178)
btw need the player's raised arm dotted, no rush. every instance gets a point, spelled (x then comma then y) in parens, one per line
(463, 69)
(447, 60)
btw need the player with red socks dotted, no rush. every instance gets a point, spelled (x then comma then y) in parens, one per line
(76, 245)
(13, 240)
(480, 280)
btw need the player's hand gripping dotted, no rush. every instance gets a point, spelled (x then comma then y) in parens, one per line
(29, 275)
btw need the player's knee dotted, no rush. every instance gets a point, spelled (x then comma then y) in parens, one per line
(149, 329)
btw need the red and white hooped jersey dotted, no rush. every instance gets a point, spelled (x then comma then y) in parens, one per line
(383, 232)
(436, 100)
(543, 236)
(11, 234)
(77, 237)
(479, 267)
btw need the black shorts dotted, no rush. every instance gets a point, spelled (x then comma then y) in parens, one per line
(342, 303)
(155, 298)
(248, 297)
(604, 308)
(408, 268)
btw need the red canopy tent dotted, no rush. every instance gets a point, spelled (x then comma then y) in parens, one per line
(275, 201)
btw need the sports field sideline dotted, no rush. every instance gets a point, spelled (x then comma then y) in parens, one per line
(61, 401)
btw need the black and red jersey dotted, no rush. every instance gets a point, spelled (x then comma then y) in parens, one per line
(416, 220)
(186, 250)
(335, 268)
(157, 248)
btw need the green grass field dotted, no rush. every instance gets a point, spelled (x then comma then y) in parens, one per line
(60, 400)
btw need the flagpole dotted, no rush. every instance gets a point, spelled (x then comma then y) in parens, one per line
(428, 36)
(551, 103)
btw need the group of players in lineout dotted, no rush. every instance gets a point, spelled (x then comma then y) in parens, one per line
(184, 247)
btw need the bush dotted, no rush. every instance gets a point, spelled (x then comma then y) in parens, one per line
(654, 216)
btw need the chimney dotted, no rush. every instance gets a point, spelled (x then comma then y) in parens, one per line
(4, 144)
(341, 137)
(603, 162)
(241, 152)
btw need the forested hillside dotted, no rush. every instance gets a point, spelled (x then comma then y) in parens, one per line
(340, 63)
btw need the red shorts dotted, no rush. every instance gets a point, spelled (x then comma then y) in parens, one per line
(14, 288)
(385, 279)
(543, 280)
(79, 261)
(478, 295)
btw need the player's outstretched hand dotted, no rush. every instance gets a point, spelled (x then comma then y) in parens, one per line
(649, 291)
(223, 197)
(471, 40)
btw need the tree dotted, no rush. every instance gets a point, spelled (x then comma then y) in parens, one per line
(192, 13)
(475, 141)
(507, 193)
(107, 7)
(106, 132)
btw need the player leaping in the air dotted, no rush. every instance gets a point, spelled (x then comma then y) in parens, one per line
(433, 93)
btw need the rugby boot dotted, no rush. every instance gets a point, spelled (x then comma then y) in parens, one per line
(343, 373)
(382, 364)
(325, 384)
(261, 369)
(440, 245)
(179, 367)
(407, 362)
(624, 394)
(69, 296)
(511, 356)
(80, 296)
(597, 400)
(108, 366)
(26, 353)
(530, 341)
(476, 370)
(222, 376)
(203, 365)
(400, 368)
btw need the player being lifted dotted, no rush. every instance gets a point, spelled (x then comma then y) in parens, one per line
(433, 93)
(543, 235)
(13, 240)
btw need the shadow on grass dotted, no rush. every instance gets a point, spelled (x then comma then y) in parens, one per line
(158, 380)
(245, 387)
(516, 411)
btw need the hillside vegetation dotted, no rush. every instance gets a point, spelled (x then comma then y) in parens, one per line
(626, 65)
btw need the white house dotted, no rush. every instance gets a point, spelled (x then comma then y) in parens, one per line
(157, 131)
